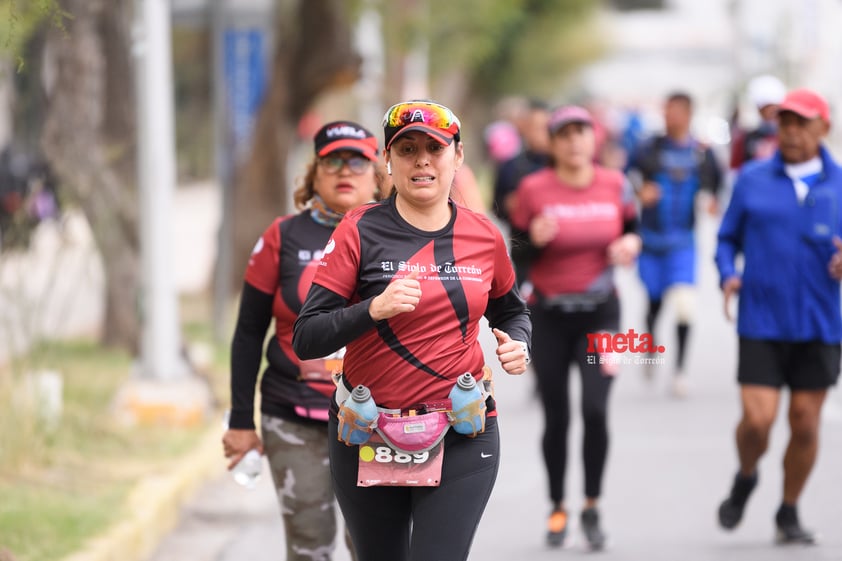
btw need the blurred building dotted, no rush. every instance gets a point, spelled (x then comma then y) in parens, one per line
(712, 49)
(797, 41)
(687, 45)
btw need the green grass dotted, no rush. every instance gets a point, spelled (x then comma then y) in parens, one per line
(61, 487)
(40, 523)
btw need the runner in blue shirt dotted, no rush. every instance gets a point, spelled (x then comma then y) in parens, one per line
(784, 220)
(672, 169)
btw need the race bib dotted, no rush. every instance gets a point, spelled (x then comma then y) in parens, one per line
(381, 465)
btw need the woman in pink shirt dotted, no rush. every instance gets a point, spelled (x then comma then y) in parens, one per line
(581, 221)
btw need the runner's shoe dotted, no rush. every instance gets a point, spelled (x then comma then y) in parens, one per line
(789, 529)
(590, 526)
(679, 388)
(557, 528)
(649, 370)
(731, 509)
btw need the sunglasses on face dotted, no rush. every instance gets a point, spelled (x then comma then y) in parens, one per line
(430, 114)
(334, 164)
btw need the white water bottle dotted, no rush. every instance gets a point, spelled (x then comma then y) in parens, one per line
(247, 471)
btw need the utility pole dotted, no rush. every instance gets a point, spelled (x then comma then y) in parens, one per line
(243, 36)
(224, 175)
(163, 391)
(416, 63)
(161, 334)
(369, 43)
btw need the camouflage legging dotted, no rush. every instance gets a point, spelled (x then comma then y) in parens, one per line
(297, 454)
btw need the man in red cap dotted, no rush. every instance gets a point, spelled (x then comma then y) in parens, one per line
(784, 218)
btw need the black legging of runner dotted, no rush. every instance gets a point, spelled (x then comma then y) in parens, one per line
(418, 523)
(558, 339)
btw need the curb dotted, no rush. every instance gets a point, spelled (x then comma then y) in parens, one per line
(152, 508)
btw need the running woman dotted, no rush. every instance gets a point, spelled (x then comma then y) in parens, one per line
(295, 395)
(403, 285)
(581, 220)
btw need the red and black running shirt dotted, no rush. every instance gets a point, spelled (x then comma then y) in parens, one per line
(415, 357)
(589, 219)
(278, 276)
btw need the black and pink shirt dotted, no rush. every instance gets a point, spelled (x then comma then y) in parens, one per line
(465, 273)
(278, 276)
(589, 219)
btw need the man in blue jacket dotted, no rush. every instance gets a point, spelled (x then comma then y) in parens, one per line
(784, 218)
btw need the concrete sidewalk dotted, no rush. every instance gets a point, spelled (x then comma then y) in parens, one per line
(153, 507)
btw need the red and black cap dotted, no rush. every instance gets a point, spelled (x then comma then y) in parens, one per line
(345, 135)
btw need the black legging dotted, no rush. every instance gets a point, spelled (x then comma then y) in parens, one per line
(682, 329)
(418, 523)
(559, 338)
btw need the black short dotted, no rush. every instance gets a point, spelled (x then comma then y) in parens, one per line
(809, 365)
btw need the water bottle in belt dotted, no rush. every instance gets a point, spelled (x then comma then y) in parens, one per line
(468, 406)
(357, 416)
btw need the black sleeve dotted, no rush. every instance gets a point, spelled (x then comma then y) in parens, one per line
(710, 174)
(326, 323)
(246, 353)
(631, 225)
(502, 188)
(647, 159)
(510, 314)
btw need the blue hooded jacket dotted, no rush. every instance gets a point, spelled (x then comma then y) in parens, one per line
(787, 293)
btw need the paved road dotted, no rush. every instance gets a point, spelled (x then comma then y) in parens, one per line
(671, 462)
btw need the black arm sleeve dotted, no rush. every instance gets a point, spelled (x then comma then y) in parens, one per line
(631, 225)
(326, 323)
(504, 185)
(246, 353)
(647, 159)
(510, 314)
(710, 174)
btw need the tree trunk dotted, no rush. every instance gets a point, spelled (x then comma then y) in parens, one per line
(313, 52)
(89, 140)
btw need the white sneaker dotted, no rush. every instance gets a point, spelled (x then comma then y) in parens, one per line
(648, 373)
(679, 386)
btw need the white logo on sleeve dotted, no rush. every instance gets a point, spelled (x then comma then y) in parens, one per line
(257, 247)
(331, 245)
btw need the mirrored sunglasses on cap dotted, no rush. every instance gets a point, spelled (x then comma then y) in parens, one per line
(436, 120)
